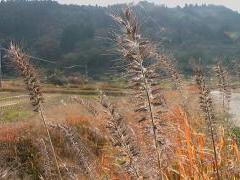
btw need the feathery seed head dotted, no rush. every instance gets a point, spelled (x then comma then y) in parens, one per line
(223, 84)
(121, 136)
(22, 64)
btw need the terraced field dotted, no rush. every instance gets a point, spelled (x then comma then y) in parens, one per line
(15, 107)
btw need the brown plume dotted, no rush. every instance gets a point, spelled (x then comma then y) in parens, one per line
(21, 62)
(122, 137)
(223, 85)
(207, 108)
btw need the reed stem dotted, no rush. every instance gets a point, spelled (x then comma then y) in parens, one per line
(43, 118)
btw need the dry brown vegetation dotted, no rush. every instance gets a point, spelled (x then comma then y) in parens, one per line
(150, 133)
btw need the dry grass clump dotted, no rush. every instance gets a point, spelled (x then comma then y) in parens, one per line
(80, 151)
(18, 159)
(29, 154)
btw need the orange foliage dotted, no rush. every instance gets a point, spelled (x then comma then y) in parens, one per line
(171, 94)
(193, 156)
(192, 88)
(10, 133)
(76, 119)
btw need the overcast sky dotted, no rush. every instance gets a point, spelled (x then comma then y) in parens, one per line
(233, 4)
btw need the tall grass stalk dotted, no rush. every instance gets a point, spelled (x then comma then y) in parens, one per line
(46, 161)
(122, 137)
(208, 111)
(142, 74)
(28, 72)
(223, 85)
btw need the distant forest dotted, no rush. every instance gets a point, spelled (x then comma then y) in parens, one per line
(81, 35)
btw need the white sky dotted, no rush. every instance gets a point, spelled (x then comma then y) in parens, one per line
(233, 4)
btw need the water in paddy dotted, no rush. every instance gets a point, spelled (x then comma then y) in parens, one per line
(234, 105)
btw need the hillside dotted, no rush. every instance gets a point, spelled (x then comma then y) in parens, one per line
(79, 35)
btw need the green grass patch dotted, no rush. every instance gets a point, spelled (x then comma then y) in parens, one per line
(16, 114)
(236, 132)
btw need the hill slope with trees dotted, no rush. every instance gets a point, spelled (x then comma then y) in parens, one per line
(79, 35)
